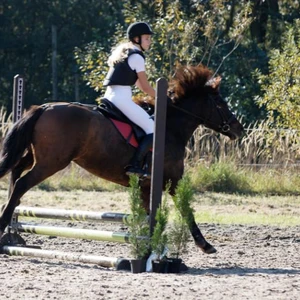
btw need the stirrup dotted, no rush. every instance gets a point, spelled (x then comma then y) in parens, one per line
(146, 175)
(135, 171)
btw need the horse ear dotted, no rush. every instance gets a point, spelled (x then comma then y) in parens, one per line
(214, 82)
(217, 82)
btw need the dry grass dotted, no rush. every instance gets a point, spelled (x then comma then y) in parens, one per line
(5, 122)
(259, 146)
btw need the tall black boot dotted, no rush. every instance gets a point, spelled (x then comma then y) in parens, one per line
(135, 166)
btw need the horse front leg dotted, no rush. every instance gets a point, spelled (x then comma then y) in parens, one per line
(199, 239)
(145, 195)
(193, 227)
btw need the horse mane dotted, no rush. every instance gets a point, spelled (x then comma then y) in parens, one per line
(187, 81)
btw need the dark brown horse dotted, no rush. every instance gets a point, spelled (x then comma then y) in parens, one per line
(49, 137)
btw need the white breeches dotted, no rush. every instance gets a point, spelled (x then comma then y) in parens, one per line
(121, 97)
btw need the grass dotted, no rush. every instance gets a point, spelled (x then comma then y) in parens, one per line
(228, 178)
(224, 208)
(75, 178)
(247, 219)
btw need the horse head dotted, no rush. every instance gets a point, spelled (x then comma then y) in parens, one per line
(197, 93)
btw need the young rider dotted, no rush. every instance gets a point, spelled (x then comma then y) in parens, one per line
(127, 68)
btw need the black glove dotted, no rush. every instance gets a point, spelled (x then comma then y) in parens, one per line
(169, 101)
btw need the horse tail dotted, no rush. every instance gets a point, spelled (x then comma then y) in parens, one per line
(18, 139)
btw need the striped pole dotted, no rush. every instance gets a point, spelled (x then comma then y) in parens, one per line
(108, 262)
(74, 215)
(78, 233)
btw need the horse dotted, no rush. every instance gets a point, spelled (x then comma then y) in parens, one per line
(51, 136)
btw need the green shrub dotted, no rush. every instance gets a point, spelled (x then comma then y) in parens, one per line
(137, 222)
(220, 177)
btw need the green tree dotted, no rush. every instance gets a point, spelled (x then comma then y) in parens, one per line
(187, 31)
(25, 44)
(281, 86)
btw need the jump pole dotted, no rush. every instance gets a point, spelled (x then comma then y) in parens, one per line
(158, 149)
(72, 215)
(108, 262)
(76, 233)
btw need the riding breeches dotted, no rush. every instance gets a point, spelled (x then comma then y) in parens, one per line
(121, 97)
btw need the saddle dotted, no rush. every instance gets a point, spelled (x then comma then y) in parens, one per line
(126, 127)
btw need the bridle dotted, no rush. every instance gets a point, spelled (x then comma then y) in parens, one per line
(224, 127)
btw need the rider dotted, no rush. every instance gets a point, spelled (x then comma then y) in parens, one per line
(127, 68)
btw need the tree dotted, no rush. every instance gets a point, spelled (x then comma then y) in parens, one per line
(25, 44)
(281, 86)
(186, 31)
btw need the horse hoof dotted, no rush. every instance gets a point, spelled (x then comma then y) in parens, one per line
(208, 249)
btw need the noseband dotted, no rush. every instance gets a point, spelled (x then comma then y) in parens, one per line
(225, 127)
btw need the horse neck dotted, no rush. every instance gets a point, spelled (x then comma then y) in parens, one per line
(181, 126)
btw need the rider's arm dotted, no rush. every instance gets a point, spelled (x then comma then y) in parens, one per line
(143, 84)
(137, 63)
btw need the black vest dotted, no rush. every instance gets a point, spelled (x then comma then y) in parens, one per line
(121, 73)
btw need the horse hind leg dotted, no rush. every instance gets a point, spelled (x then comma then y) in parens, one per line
(25, 163)
(36, 175)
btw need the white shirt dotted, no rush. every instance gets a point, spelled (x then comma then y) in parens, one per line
(136, 62)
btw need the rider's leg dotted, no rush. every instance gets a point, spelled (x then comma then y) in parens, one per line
(140, 117)
(136, 164)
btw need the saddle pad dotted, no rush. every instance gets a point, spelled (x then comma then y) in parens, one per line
(126, 131)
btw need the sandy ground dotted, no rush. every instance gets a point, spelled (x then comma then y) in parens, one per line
(252, 262)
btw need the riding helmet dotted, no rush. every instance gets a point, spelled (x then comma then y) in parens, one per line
(138, 29)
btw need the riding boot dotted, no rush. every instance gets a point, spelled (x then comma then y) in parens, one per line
(135, 166)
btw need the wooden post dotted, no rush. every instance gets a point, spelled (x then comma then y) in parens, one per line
(158, 149)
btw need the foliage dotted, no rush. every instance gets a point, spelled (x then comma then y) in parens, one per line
(186, 32)
(177, 40)
(137, 222)
(220, 177)
(159, 238)
(178, 236)
(184, 198)
(26, 44)
(178, 231)
(281, 86)
(273, 181)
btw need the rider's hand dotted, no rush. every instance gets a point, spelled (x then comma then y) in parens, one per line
(169, 101)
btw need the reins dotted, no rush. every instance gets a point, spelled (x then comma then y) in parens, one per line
(225, 127)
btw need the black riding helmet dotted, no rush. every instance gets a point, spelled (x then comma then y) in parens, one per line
(136, 30)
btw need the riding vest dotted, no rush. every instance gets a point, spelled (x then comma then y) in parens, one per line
(121, 73)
